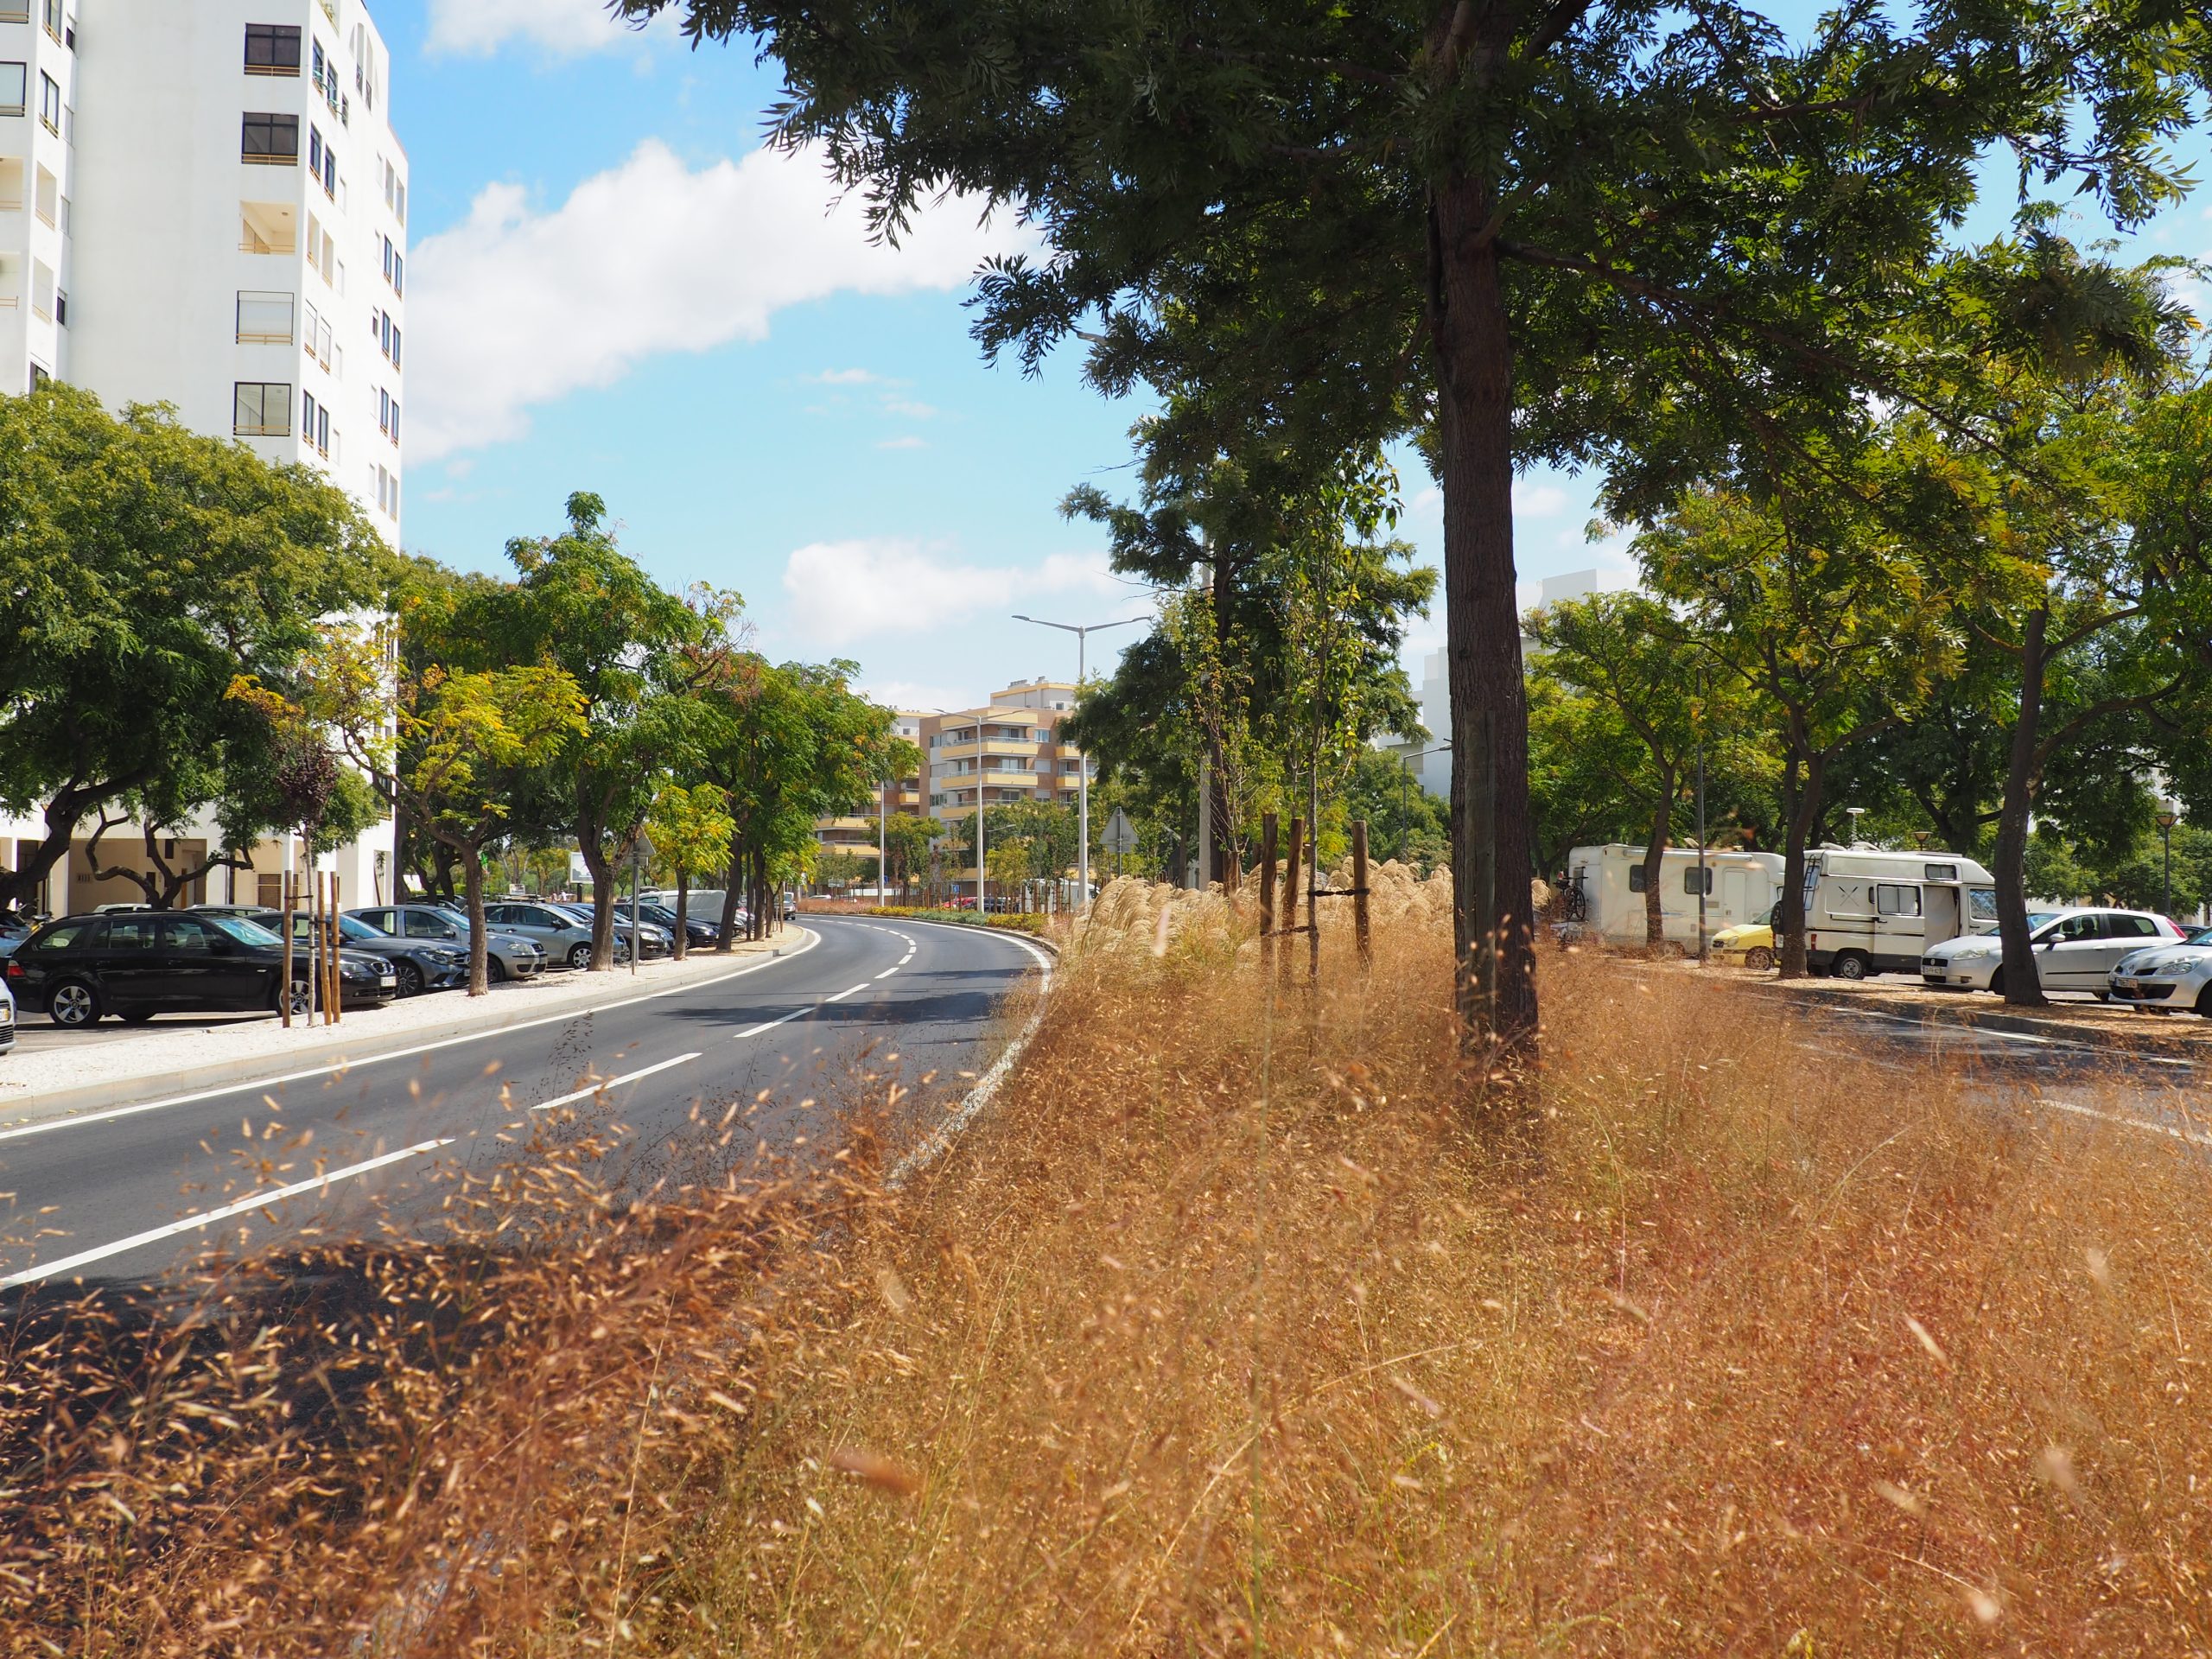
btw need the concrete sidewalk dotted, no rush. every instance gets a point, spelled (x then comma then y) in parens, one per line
(113, 1064)
(2069, 1020)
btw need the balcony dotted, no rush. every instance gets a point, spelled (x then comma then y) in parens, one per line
(15, 11)
(268, 227)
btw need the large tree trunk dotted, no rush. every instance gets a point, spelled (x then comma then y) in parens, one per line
(2023, 984)
(683, 911)
(1492, 931)
(602, 899)
(472, 882)
(733, 892)
(1655, 865)
(1802, 782)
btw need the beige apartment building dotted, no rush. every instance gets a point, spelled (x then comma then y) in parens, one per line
(1006, 751)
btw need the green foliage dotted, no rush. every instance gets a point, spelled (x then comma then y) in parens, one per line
(143, 568)
(691, 829)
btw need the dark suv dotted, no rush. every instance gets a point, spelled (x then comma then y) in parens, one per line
(142, 962)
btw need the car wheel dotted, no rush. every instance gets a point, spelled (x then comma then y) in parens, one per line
(73, 1005)
(2204, 1002)
(139, 1016)
(495, 971)
(1759, 959)
(301, 1001)
(1997, 981)
(580, 956)
(408, 978)
(1849, 965)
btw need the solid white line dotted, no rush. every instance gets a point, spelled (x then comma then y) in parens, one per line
(209, 1218)
(985, 1090)
(842, 996)
(2125, 1122)
(610, 1083)
(72, 1120)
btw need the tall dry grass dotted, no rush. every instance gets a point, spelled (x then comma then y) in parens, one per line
(1229, 1329)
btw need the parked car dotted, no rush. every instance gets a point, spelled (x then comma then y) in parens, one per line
(558, 933)
(418, 965)
(2168, 976)
(697, 930)
(507, 954)
(139, 963)
(1749, 943)
(2075, 950)
(658, 941)
(7, 1017)
(14, 930)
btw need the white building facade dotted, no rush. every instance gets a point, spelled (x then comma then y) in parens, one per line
(203, 203)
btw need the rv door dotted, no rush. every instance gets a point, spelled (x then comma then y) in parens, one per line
(1900, 929)
(1945, 917)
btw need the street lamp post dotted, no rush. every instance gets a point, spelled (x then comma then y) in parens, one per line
(1405, 796)
(2168, 815)
(1082, 633)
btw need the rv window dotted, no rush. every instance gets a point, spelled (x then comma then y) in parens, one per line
(1636, 878)
(1983, 902)
(1689, 879)
(1941, 873)
(1896, 901)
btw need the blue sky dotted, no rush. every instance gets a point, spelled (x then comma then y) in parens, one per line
(614, 290)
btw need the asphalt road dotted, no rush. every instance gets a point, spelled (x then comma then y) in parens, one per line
(120, 1195)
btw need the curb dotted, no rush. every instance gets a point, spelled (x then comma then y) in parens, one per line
(223, 1076)
(958, 927)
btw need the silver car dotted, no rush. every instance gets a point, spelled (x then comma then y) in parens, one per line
(2168, 976)
(506, 955)
(563, 936)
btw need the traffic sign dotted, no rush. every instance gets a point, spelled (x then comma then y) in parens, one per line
(1120, 834)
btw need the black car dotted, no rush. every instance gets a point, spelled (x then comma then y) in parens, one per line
(697, 929)
(418, 965)
(139, 963)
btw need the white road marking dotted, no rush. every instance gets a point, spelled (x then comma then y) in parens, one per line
(842, 996)
(2126, 1122)
(209, 1218)
(887, 972)
(770, 1025)
(610, 1083)
(259, 1083)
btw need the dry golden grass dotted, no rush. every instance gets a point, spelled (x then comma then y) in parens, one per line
(1230, 1329)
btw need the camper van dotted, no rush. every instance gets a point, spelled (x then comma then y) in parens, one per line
(1605, 890)
(1868, 912)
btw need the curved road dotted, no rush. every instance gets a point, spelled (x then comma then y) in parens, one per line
(119, 1196)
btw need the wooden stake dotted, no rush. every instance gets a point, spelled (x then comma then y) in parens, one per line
(337, 977)
(284, 988)
(1290, 886)
(1359, 892)
(1267, 828)
(1313, 909)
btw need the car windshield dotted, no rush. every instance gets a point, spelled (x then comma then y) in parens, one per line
(244, 932)
(2198, 936)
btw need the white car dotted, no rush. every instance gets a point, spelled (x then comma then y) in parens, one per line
(2168, 976)
(2074, 950)
(7, 1018)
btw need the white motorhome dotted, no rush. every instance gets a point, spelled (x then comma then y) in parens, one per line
(1605, 890)
(1868, 912)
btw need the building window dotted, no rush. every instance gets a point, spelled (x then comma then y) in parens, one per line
(47, 201)
(270, 140)
(41, 376)
(315, 422)
(61, 306)
(265, 318)
(272, 49)
(49, 103)
(42, 290)
(50, 15)
(15, 87)
(388, 414)
(270, 227)
(262, 409)
(322, 161)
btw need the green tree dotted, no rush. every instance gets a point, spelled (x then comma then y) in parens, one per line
(459, 741)
(1584, 231)
(907, 839)
(143, 567)
(691, 831)
(1834, 626)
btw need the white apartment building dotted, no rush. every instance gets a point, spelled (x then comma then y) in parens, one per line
(203, 203)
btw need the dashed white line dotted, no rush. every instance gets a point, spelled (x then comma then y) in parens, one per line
(887, 972)
(842, 995)
(770, 1025)
(209, 1218)
(576, 1095)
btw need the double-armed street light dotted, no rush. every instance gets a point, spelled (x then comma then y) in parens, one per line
(1082, 633)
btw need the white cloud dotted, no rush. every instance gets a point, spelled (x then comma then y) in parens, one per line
(909, 441)
(922, 696)
(516, 307)
(840, 592)
(850, 378)
(568, 27)
(909, 408)
(1537, 500)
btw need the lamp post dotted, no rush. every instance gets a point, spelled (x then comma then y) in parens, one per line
(2169, 814)
(1405, 795)
(1082, 633)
